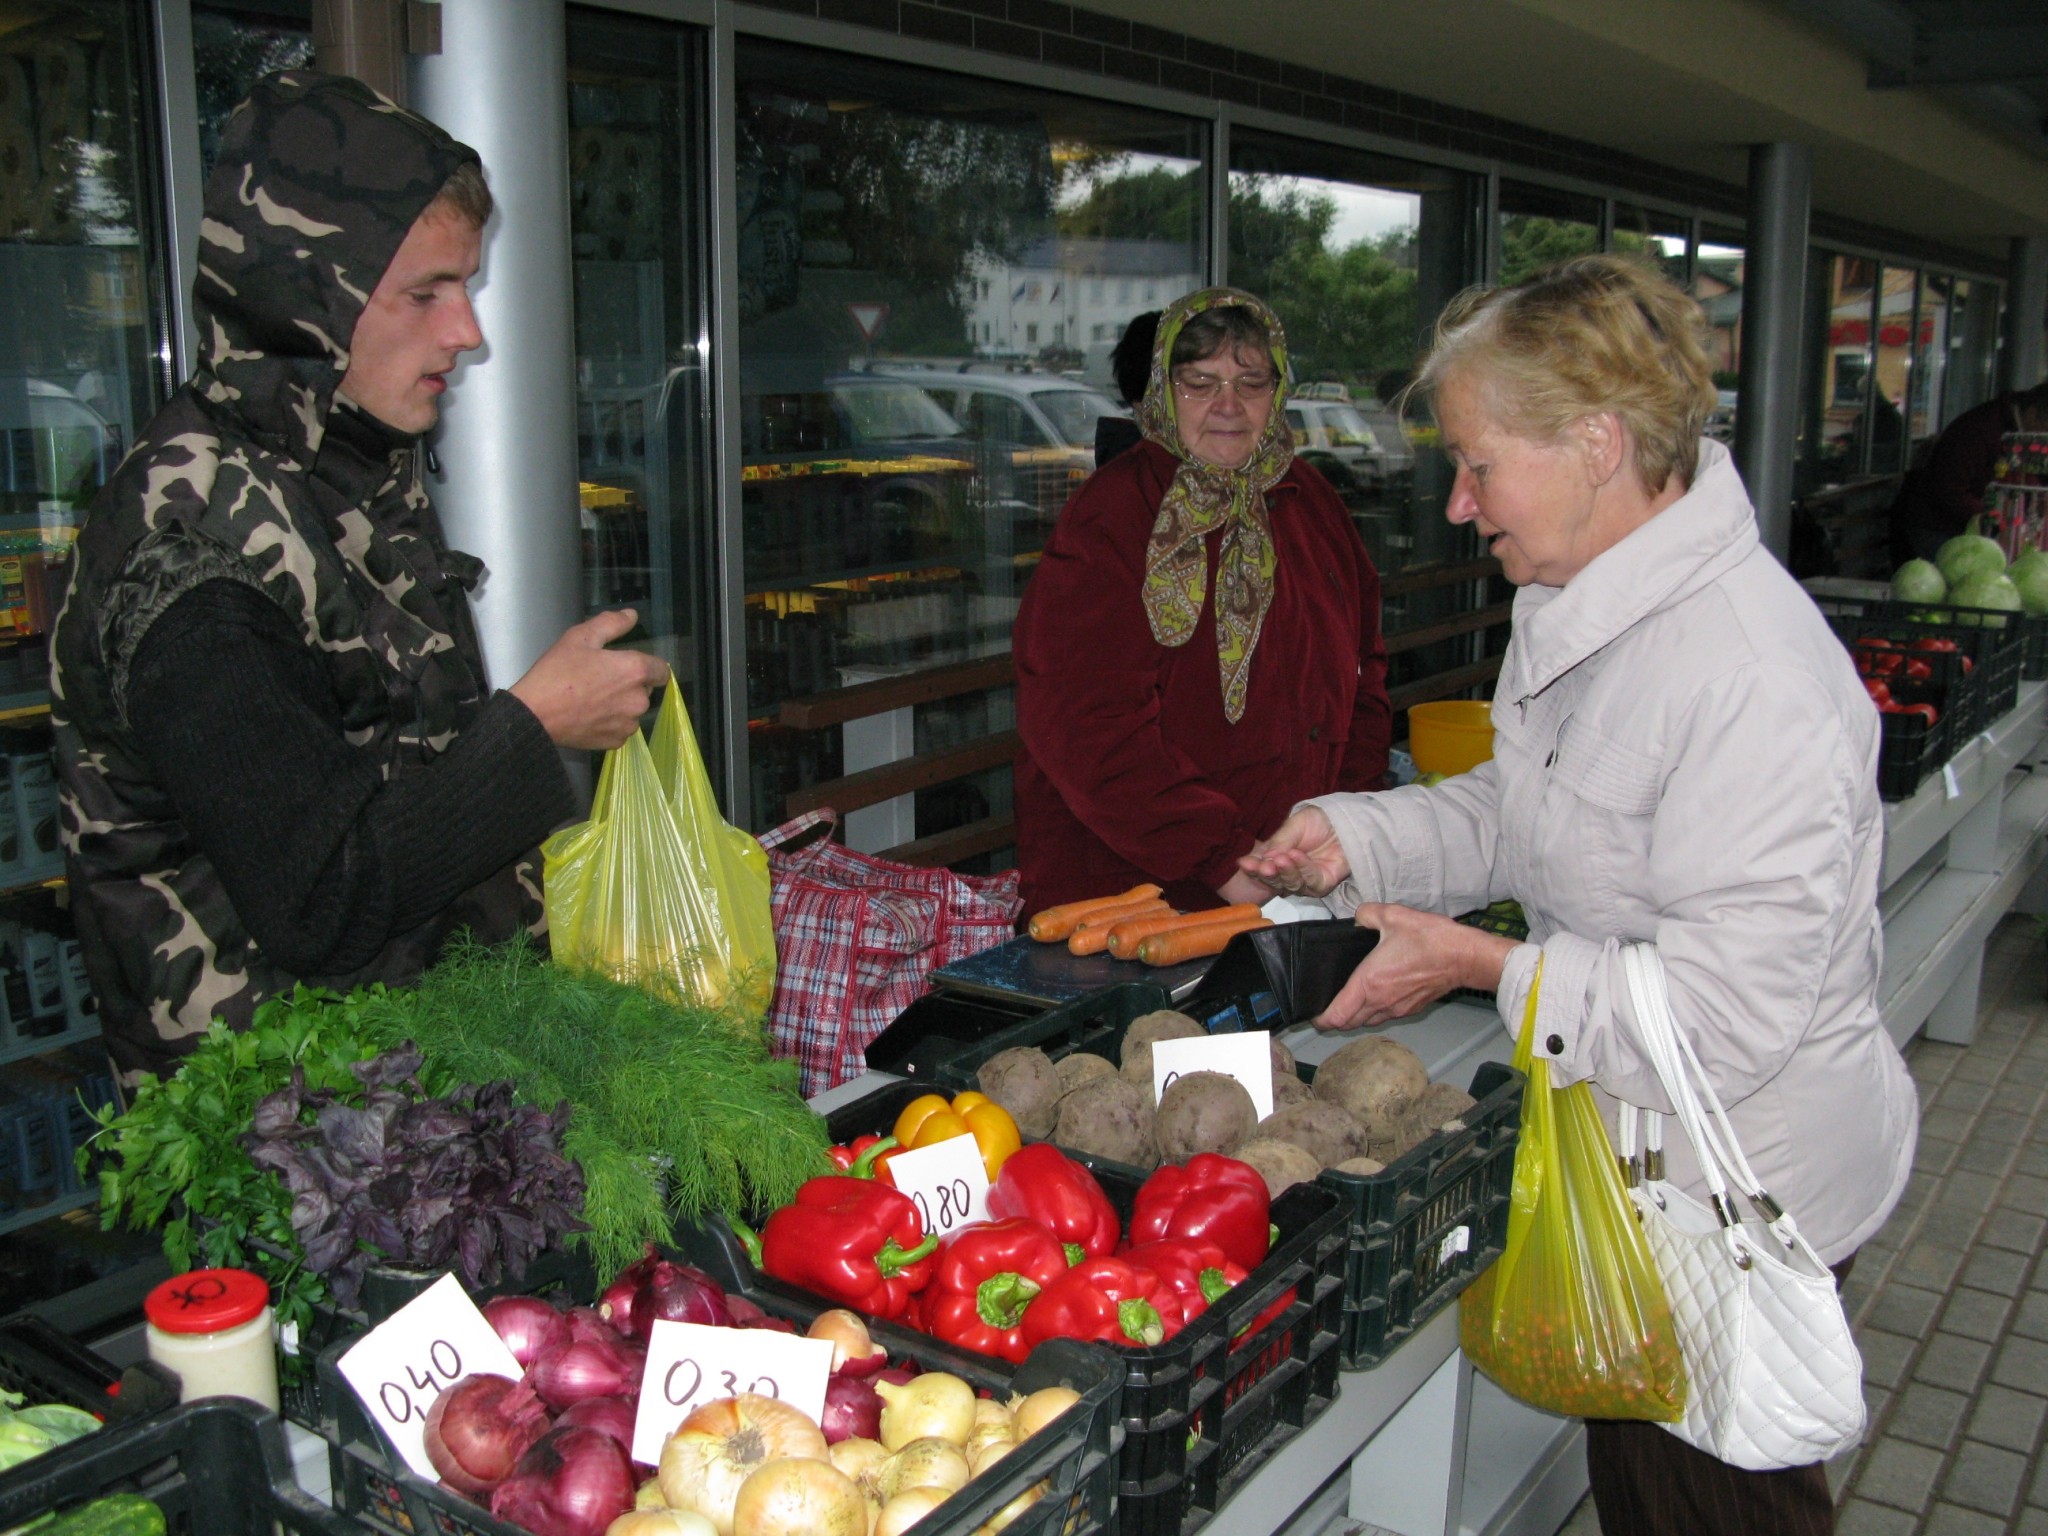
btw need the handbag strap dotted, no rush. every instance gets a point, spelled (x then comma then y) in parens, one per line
(1700, 1112)
(797, 826)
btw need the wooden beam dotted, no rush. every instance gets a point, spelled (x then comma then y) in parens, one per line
(958, 843)
(1442, 685)
(872, 786)
(1428, 578)
(836, 706)
(1461, 624)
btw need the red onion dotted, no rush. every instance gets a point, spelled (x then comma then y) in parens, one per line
(608, 1416)
(615, 1306)
(478, 1429)
(528, 1325)
(655, 1289)
(587, 1323)
(852, 1407)
(571, 1482)
(569, 1373)
(744, 1314)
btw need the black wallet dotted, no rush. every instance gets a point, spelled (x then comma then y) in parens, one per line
(1276, 977)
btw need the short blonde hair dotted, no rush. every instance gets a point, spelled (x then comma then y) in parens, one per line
(468, 193)
(1593, 334)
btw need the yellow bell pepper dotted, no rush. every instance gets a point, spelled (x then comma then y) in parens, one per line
(929, 1119)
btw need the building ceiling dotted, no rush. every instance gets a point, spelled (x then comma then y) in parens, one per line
(1924, 116)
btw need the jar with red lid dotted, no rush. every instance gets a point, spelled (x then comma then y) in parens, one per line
(212, 1326)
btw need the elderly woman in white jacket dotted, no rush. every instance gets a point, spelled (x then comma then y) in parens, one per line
(1683, 756)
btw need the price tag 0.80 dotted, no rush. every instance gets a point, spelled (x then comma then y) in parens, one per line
(1248, 1057)
(947, 1181)
(428, 1345)
(689, 1365)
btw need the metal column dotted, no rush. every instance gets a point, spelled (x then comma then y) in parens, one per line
(2026, 312)
(1773, 294)
(508, 484)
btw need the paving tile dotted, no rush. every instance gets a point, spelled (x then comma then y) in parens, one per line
(2038, 1493)
(2022, 1364)
(2007, 1125)
(1907, 1309)
(2032, 1317)
(1950, 1224)
(2013, 1229)
(1972, 1191)
(1986, 1154)
(1860, 1517)
(1928, 1415)
(1899, 1473)
(2021, 1069)
(2023, 1192)
(1885, 1358)
(2005, 1417)
(2033, 1158)
(1952, 1361)
(2032, 1522)
(1960, 1096)
(1998, 1269)
(1933, 1266)
(1979, 1314)
(1986, 1477)
(1946, 1124)
(1954, 1520)
(1973, 1067)
(1934, 1155)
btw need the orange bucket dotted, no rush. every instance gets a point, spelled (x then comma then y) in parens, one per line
(1450, 735)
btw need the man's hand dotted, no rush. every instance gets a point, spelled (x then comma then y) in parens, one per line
(1420, 957)
(586, 696)
(1302, 858)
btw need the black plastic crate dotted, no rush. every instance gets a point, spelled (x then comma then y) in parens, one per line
(1199, 1412)
(1970, 686)
(1980, 633)
(1075, 1455)
(46, 1365)
(217, 1467)
(933, 1036)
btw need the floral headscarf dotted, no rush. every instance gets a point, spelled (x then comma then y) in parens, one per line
(1204, 497)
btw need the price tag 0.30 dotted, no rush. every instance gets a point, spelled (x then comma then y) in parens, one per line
(947, 1182)
(428, 1345)
(689, 1365)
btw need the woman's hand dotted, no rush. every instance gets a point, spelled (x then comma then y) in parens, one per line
(1420, 957)
(1302, 858)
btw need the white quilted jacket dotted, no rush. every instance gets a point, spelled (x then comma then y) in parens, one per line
(1683, 754)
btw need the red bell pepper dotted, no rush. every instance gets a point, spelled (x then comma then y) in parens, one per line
(1200, 1273)
(1108, 1300)
(1042, 1182)
(859, 1242)
(987, 1277)
(1211, 1198)
(866, 1157)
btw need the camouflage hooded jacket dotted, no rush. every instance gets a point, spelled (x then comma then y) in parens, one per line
(253, 474)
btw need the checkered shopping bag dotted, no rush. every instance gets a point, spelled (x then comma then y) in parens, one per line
(855, 938)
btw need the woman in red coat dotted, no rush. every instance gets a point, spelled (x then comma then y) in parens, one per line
(1199, 649)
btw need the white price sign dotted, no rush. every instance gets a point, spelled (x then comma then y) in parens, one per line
(947, 1181)
(689, 1364)
(1248, 1057)
(429, 1344)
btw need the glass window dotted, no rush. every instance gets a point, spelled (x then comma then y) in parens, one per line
(1972, 347)
(1540, 226)
(233, 46)
(1665, 238)
(1357, 253)
(637, 242)
(83, 313)
(875, 201)
(1892, 361)
(1844, 383)
(1717, 285)
(1930, 359)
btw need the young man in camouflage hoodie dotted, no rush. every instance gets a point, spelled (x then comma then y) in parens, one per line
(280, 758)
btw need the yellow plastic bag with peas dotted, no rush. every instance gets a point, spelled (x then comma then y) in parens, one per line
(1572, 1318)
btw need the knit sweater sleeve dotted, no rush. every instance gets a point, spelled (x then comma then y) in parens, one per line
(324, 859)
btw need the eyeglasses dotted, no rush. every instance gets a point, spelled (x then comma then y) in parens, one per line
(1205, 387)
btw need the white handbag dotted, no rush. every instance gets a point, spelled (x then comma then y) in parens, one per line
(1775, 1377)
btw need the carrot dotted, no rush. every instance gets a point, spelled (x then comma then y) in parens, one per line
(1124, 937)
(1091, 935)
(1178, 944)
(1055, 923)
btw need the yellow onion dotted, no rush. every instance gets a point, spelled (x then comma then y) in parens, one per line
(906, 1509)
(649, 1496)
(798, 1496)
(927, 1463)
(1006, 1517)
(724, 1442)
(935, 1405)
(655, 1521)
(1041, 1408)
(854, 1349)
(988, 1411)
(981, 1457)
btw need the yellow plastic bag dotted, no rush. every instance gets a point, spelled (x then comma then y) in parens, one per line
(656, 889)
(1572, 1318)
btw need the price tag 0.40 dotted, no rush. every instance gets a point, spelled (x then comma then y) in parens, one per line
(947, 1181)
(429, 1344)
(689, 1365)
